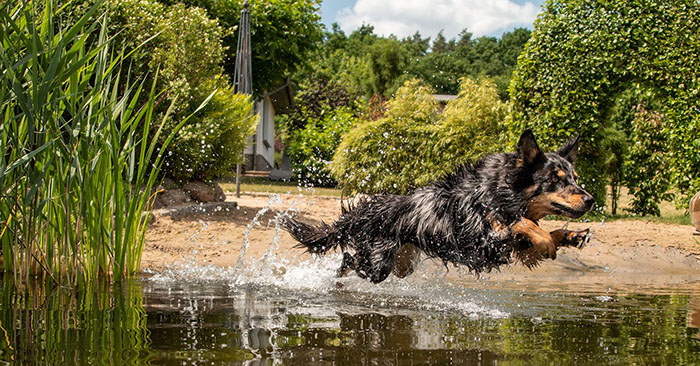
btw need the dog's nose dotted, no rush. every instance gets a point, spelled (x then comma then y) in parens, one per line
(588, 200)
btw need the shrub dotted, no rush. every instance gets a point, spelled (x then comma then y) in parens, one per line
(645, 167)
(211, 146)
(311, 148)
(316, 98)
(185, 47)
(583, 54)
(415, 143)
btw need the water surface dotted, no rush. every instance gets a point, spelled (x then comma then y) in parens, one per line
(273, 313)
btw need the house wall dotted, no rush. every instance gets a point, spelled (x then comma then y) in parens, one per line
(264, 140)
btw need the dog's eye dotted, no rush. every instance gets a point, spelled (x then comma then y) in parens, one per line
(555, 179)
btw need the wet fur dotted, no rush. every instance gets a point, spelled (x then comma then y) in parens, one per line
(479, 216)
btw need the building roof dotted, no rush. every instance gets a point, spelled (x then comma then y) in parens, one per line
(444, 97)
(282, 97)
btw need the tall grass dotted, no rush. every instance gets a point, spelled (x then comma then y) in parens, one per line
(78, 151)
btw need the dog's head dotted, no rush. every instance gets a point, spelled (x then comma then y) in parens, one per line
(550, 180)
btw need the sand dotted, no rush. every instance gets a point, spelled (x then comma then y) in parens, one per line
(624, 255)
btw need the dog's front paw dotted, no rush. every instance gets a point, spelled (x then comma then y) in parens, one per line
(577, 239)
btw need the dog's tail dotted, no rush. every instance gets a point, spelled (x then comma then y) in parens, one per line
(316, 239)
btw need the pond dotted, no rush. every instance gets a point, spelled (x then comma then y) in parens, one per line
(274, 312)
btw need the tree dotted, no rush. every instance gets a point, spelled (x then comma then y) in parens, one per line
(583, 54)
(283, 33)
(440, 44)
(360, 39)
(388, 62)
(184, 50)
(511, 45)
(417, 45)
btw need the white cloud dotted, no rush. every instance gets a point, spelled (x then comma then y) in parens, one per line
(404, 17)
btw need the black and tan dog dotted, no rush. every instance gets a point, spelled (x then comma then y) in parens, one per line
(482, 216)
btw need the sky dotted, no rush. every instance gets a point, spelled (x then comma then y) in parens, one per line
(404, 17)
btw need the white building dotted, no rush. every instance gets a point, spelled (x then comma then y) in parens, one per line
(260, 151)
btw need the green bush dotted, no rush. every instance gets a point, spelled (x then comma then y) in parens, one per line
(416, 143)
(584, 54)
(311, 148)
(647, 159)
(185, 47)
(211, 146)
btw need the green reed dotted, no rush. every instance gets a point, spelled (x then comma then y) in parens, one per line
(79, 152)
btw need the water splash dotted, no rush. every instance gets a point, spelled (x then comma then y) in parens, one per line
(313, 279)
(273, 199)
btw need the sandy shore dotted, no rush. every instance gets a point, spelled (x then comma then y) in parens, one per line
(623, 254)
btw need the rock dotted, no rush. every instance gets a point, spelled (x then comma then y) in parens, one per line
(169, 184)
(279, 174)
(178, 213)
(203, 192)
(152, 218)
(171, 197)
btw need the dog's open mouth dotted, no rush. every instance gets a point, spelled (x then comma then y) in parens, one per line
(568, 211)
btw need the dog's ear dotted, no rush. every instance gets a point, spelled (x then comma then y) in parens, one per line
(528, 150)
(569, 150)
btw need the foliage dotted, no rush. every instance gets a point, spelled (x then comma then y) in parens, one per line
(388, 60)
(283, 34)
(333, 78)
(318, 96)
(312, 147)
(211, 146)
(645, 166)
(451, 60)
(373, 65)
(416, 143)
(583, 54)
(78, 159)
(186, 47)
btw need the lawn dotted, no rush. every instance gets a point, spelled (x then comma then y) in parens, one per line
(669, 213)
(265, 185)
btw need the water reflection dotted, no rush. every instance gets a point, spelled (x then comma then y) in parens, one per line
(155, 323)
(694, 315)
(55, 326)
(271, 326)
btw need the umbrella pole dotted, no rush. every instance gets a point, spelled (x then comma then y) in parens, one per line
(238, 180)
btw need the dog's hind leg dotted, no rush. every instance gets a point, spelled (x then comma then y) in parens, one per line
(376, 260)
(348, 264)
(406, 258)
